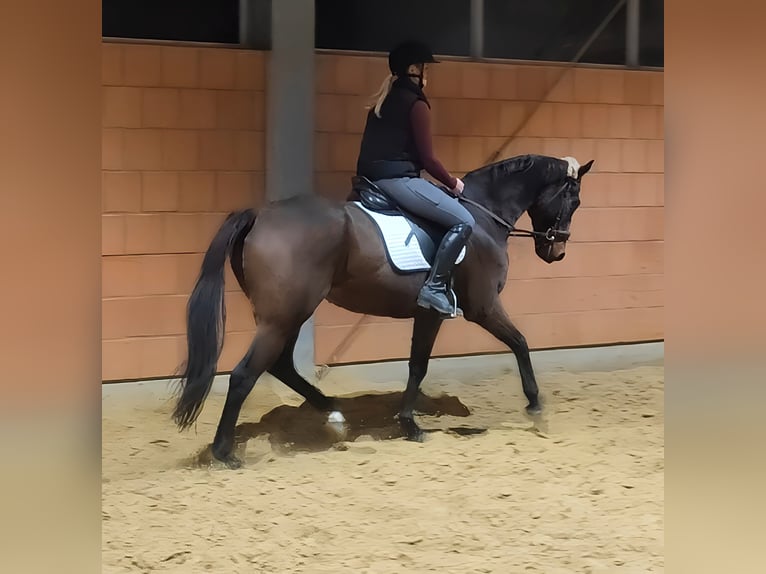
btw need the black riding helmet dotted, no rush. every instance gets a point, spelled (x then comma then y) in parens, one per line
(408, 53)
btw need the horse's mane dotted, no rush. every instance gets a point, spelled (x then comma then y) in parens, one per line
(521, 164)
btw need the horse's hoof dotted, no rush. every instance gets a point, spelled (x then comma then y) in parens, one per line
(228, 460)
(232, 463)
(411, 430)
(416, 436)
(414, 433)
(534, 410)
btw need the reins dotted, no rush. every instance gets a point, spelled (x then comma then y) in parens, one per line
(512, 231)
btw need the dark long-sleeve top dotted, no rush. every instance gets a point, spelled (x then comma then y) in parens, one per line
(420, 117)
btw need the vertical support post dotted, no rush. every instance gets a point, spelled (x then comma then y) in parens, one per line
(477, 29)
(290, 100)
(290, 96)
(632, 33)
(255, 24)
(244, 23)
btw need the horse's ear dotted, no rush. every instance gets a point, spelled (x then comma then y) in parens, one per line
(584, 169)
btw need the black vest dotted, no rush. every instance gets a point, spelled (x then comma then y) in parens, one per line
(388, 146)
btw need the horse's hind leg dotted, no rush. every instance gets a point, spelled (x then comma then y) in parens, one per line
(284, 370)
(425, 330)
(263, 352)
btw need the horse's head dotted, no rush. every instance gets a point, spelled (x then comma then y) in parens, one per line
(552, 210)
(545, 187)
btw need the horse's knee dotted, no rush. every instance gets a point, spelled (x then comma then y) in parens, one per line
(517, 341)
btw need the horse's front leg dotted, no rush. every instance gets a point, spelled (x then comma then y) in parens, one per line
(427, 324)
(496, 322)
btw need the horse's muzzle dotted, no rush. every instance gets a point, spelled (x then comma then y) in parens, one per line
(551, 251)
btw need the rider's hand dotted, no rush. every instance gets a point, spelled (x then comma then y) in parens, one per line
(458, 189)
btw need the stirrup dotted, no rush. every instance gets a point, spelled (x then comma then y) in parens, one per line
(456, 311)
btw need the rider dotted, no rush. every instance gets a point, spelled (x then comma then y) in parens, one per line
(396, 146)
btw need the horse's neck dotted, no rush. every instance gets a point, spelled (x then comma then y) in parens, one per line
(508, 208)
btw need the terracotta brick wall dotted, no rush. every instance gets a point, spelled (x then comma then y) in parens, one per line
(183, 144)
(609, 288)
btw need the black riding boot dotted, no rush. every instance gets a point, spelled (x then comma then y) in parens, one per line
(434, 294)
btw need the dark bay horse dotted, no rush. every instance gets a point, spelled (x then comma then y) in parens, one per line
(292, 254)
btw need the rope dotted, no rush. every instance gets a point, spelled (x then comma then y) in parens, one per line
(569, 66)
(341, 347)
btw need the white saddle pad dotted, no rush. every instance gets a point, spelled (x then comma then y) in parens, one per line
(402, 246)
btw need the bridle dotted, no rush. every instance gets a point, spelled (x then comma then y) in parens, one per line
(551, 235)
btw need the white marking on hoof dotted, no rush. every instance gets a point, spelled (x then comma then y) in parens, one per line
(336, 417)
(573, 167)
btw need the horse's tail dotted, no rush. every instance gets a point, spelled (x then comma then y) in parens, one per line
(206, 320)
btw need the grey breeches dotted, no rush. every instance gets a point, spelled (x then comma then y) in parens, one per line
(423, 198)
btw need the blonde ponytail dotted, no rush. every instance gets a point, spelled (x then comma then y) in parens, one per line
(379, 96)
